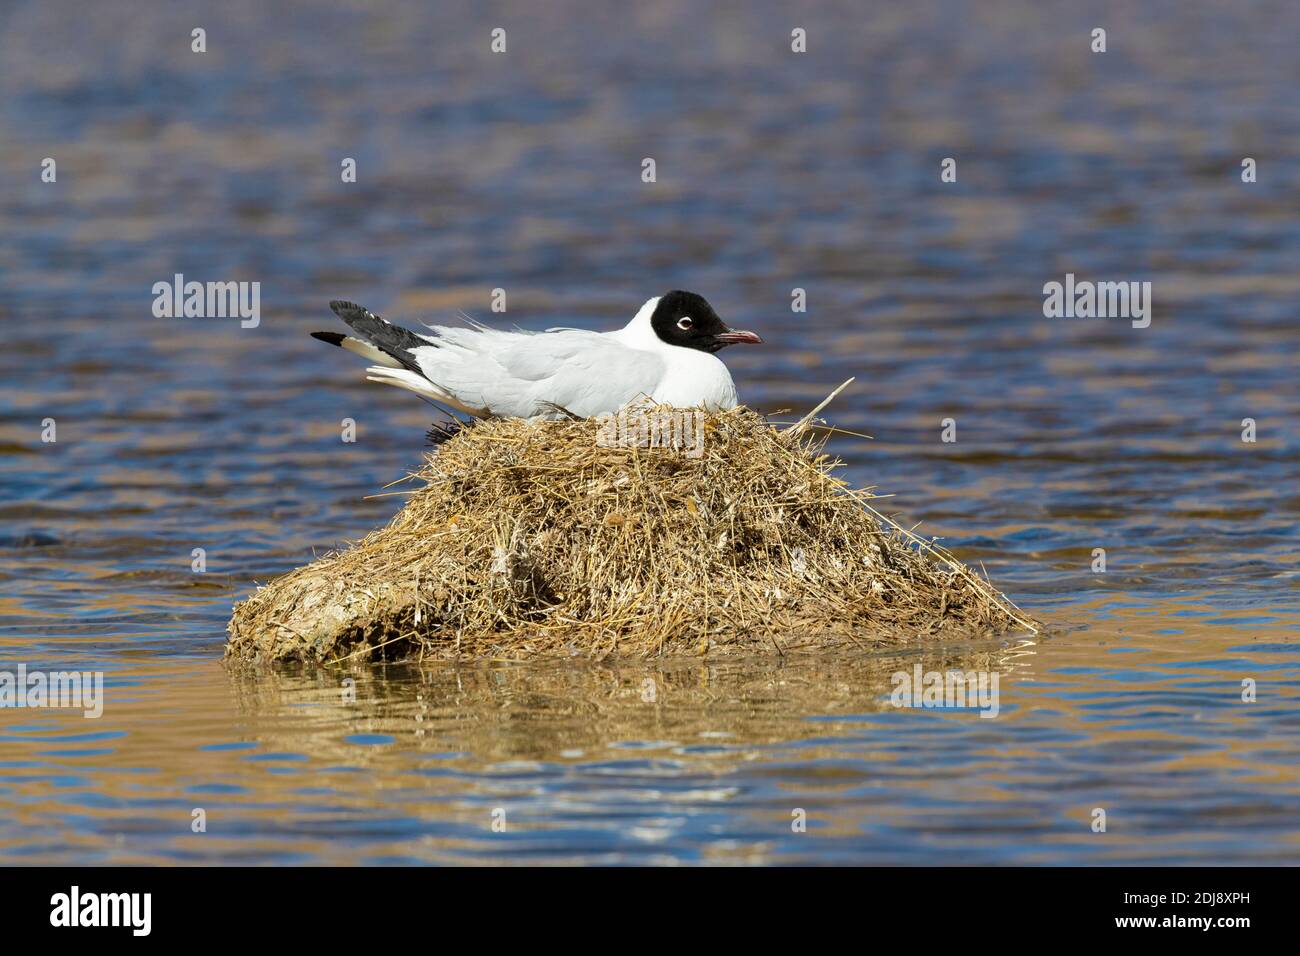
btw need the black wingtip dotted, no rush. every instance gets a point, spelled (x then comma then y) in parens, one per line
(391, 339)
(341, 306)
(333, 338)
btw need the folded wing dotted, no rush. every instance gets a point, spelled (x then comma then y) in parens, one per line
(522, 374)
(488, 372)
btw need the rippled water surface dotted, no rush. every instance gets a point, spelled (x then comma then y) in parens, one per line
(775, 171)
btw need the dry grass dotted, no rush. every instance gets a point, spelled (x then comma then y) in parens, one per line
(528, 538)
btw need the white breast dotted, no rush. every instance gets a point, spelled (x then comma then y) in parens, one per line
(695, 378)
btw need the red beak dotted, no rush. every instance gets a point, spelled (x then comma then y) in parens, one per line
(736, 337)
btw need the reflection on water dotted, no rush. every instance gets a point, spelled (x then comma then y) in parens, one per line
(775, 172)
(683, 761)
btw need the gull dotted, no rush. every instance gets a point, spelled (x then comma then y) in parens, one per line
(665, 354)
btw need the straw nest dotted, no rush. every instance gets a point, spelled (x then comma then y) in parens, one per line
(526, 538)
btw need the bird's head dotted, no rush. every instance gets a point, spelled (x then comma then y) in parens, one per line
(686, 319)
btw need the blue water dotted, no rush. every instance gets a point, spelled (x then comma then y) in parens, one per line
(775, 171)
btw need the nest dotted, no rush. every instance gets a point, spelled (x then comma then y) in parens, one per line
(528, 538)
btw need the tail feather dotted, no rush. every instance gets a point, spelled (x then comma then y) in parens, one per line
(417, 383)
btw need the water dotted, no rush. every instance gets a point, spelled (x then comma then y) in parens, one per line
(775, 171)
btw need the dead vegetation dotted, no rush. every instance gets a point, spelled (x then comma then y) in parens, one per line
(530, 538)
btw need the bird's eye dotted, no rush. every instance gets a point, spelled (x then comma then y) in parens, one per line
(684, 323)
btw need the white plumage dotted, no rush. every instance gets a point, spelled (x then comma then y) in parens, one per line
(487, 372)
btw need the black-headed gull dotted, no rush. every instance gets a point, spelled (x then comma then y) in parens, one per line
(665, 354)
